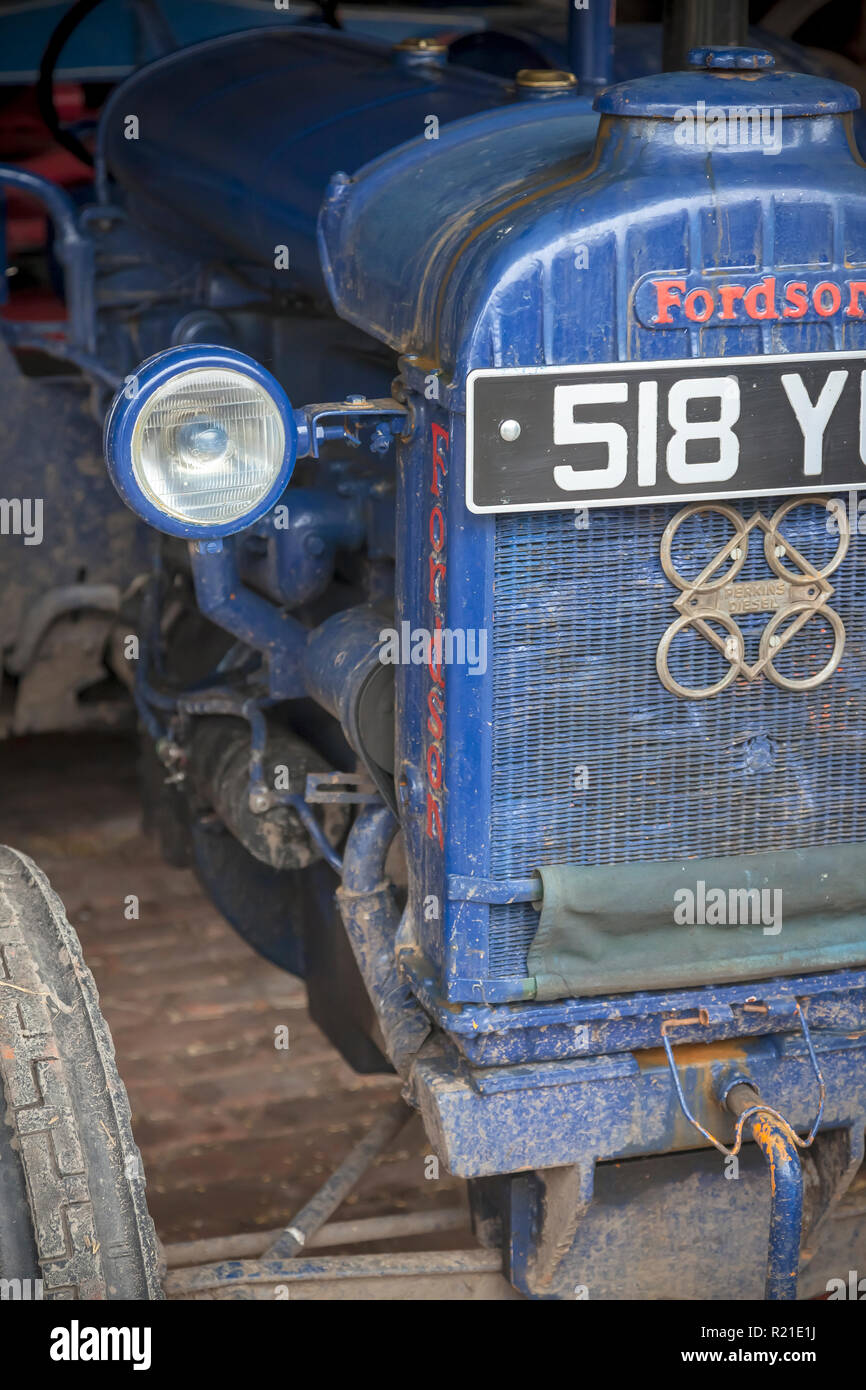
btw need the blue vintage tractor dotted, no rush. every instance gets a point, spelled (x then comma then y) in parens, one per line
(500, 656)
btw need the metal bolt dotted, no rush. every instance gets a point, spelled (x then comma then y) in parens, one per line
(356, 400)
(736, 553)
(412, 51)
(422, 43)
(774, 641)
(779, 551)
(509, 430)
(260, 801)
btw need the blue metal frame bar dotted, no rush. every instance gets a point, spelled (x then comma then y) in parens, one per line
(224, 599)
(42, 338)
(74, 251)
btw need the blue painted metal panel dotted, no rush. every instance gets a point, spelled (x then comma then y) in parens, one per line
(501, 156)
(513, 1119)
(666, 1227)
(502, 1034)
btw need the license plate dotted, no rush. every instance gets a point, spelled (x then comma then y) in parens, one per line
(563, 437)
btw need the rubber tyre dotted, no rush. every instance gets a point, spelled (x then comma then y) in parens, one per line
(72, 1202)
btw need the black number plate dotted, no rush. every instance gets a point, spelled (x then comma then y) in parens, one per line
(632, 432)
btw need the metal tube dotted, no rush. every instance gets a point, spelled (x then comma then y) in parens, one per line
(371, 918)
(360, 1272)
(325, 1202)
(590, 42)
(367, 849)
(786, 1194)
(252, 1244)
(223, 598)
(312, 827)
(75, 251)
(700, 24)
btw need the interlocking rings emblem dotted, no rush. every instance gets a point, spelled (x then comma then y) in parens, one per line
(788, 595)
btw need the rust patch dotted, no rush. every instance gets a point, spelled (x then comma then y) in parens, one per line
(693, 1054)
(772, 1144)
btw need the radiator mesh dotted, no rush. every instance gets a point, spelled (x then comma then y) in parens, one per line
(578, 615)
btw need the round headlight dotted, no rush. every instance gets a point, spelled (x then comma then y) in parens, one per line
(201, 441)
(208, 445)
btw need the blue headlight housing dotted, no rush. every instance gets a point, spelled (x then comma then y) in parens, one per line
(201, 441)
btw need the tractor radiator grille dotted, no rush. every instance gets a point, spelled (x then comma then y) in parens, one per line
(578, 617)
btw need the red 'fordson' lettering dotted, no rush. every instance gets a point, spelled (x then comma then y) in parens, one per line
(676, 301)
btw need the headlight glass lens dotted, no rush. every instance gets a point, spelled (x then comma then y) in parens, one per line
(208, 445)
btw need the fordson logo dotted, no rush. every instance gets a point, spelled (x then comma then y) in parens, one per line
(676, 301)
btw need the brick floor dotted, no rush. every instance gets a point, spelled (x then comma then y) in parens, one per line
(235, 1135)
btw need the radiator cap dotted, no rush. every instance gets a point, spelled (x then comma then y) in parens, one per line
(729, 58)
(533, 83)
(741, 77)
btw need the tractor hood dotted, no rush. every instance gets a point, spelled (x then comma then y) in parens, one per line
(228, 145)
(526, 236)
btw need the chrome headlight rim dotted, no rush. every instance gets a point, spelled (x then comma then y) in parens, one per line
(138, 390)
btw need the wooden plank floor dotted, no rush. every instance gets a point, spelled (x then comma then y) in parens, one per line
(235, 1135)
